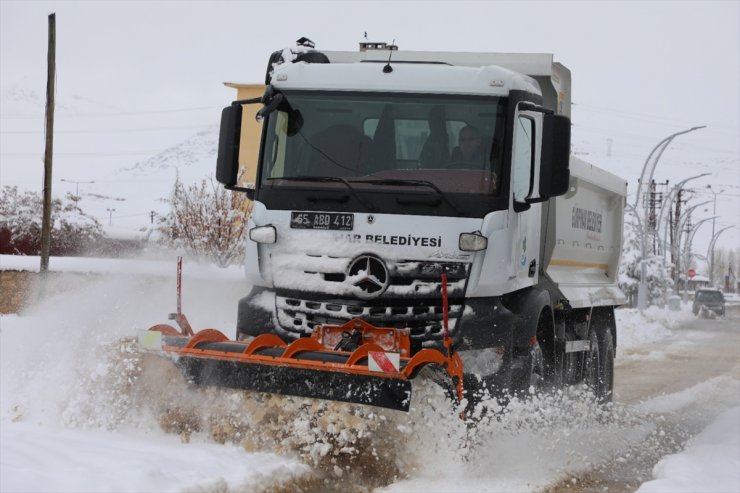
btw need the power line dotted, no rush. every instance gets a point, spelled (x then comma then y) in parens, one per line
(645, 117)
(111, 130)
(611, 132)
(80, 154)
(121, 113)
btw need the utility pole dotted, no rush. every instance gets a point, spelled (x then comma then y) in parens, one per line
(48, 153)
(651, 202)
(714, 213)
(675, 235)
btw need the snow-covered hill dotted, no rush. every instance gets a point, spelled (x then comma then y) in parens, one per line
(121, 163)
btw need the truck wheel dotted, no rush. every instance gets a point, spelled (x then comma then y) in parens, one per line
(591, 373)
(570, 361)
(529, 373)
(537, 373)
(606, 353)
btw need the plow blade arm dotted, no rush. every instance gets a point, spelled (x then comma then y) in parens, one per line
(378, 372)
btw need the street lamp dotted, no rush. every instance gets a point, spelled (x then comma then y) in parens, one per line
(710, 251)
(681, 223)
(647, 171)
(687, 250)
(110, 215)
(714, 212)
(641, 293)
(77, 185)
(669, 200)
(646, 177)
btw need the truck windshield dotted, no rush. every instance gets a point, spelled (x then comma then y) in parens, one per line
(453, 142)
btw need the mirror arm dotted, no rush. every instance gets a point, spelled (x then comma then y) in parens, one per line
(524, 106)
(521, 206)
(247, 101)
(249, 191)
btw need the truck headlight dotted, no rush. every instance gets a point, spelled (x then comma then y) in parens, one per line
(263, 234)
(472, 242)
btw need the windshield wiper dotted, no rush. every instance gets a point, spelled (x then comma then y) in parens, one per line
(326, 179)
(411, 183)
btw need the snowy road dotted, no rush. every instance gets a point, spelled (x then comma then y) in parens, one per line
(83, 413)
(680, 385)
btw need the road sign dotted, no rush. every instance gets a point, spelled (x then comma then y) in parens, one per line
(691, 273)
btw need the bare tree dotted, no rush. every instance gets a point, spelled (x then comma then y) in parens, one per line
(73, 231)
(208, 220)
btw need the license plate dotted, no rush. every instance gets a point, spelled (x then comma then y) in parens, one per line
(322, 220)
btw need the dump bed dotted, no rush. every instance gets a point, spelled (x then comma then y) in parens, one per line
(583, 237)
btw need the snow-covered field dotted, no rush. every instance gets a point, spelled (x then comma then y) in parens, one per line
(82, 411)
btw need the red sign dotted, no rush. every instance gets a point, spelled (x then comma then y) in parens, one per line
(691, 273)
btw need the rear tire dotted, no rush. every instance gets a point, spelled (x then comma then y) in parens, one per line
(591, 368)
(606, 353)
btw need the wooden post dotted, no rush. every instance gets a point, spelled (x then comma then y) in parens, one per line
(50, 80)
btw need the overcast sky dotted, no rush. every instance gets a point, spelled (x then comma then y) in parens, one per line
(677, 59)
(641, 69)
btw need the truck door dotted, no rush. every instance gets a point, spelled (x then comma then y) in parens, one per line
(525, 223)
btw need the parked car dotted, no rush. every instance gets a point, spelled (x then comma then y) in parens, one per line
(707, 300)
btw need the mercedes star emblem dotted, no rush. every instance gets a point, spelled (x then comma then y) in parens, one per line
(369, 276)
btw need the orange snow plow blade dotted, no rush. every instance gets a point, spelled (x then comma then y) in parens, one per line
(376, 368)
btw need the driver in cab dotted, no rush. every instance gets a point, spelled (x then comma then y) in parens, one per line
(469, 149)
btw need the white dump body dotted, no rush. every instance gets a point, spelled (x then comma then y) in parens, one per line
(584, 237)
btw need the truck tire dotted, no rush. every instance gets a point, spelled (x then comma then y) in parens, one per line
(537, 376)
(606, 353)
(529, 377)
(570, 361)
(591, 365)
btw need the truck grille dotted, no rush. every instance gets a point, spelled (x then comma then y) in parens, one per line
(298, 317)
(317, 289)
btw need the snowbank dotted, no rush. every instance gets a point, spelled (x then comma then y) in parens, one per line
(64, 460)
(709, 463)
(635, 329)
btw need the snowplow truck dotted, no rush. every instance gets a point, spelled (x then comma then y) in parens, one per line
(416, 209)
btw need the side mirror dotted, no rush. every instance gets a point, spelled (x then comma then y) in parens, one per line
(555, 156)
(227, 163)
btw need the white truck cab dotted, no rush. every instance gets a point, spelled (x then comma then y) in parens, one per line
(379, 170)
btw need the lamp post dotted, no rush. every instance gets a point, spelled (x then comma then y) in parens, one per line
(77, 185)
(646, 177)
(687, 250)
(110, 215)
(669, 200)
(681, 223)
(714, 212)
(641, 293)
(710, 251)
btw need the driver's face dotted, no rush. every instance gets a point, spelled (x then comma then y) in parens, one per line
(469, 142)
